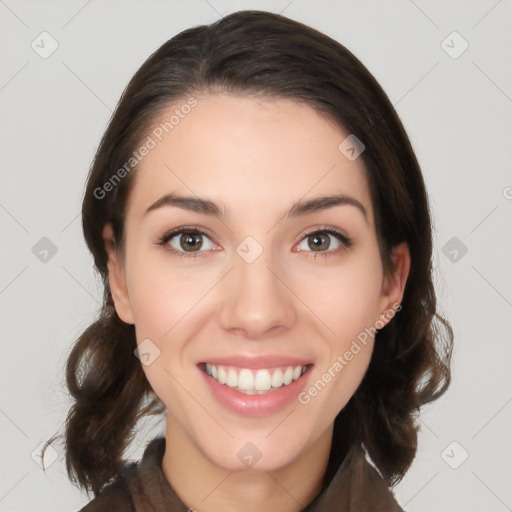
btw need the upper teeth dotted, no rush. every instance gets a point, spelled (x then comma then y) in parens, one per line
(254, 380)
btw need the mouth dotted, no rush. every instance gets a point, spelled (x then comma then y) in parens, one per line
(252, 381)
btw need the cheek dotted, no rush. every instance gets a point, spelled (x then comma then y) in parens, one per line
(168, 310)
(164, 299)
(162, 295)
(345, 298)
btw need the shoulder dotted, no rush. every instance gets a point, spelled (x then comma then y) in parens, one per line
(369, 481)
(115, 496)
(357, 486)
(136, 485)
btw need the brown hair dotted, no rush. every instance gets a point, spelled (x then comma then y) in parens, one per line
(260, 53)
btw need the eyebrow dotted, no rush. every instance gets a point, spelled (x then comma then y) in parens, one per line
(299, 209)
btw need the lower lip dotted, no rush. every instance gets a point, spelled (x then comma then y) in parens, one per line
(255, 405)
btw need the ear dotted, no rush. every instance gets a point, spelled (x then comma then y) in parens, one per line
(116, 277)
(393, 286)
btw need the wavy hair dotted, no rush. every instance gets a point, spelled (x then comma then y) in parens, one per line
(262, 54)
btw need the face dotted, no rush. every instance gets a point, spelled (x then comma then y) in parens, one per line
(255, 303)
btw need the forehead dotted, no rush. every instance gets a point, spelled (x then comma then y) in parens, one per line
(248, 154)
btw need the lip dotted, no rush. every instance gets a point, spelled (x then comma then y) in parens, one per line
(256, 362)
(256, 405)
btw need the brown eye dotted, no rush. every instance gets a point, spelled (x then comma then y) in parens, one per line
(325, 240)
(190, 241)
(319, 241)
(187, 241)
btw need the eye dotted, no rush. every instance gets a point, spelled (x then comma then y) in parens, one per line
(187, 241)
(194, 242)
(325, 240)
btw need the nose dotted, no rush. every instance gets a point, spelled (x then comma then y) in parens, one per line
(256, 299)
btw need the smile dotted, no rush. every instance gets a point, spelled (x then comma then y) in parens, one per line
(252, 381)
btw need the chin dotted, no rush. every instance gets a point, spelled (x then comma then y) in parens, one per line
(255, 453)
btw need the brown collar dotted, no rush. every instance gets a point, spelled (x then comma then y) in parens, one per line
(356, 486)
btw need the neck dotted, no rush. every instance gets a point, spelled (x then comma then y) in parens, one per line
(207, 487)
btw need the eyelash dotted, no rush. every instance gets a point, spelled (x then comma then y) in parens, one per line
(163, 242)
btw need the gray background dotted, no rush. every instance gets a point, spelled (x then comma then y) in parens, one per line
(457, 110)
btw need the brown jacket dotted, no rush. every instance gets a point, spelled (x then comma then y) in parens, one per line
(142, 487)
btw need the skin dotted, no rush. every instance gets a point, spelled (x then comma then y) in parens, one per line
(257, 158)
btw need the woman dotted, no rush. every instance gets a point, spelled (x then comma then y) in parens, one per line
(262, 229)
